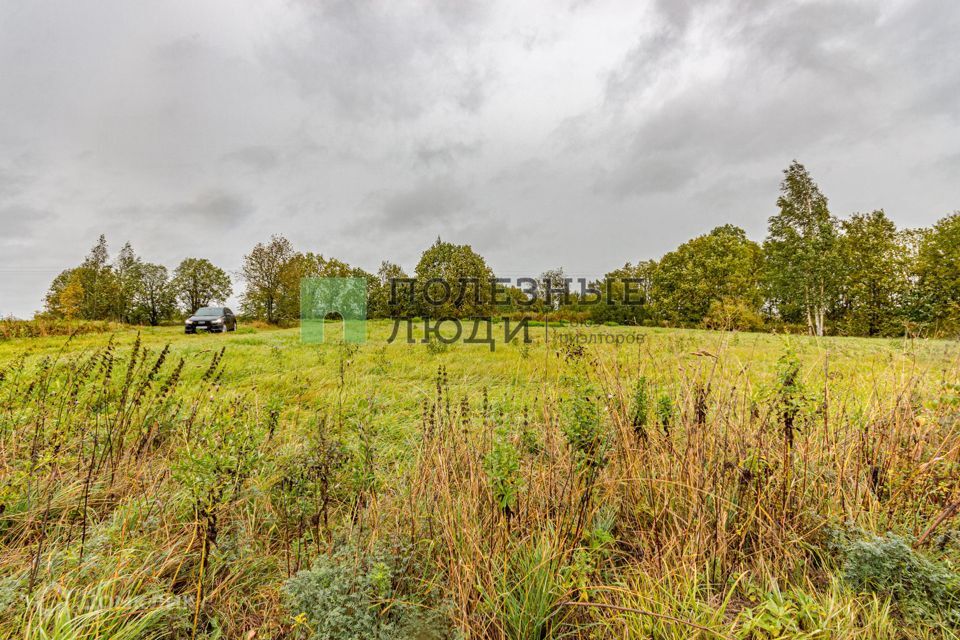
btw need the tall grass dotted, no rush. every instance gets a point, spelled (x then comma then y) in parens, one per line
(691, 487)
(42, 327)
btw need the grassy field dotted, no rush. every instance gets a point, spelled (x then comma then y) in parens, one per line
(687, 484)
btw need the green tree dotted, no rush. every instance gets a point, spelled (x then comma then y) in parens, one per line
(875, 260)
(154, 298)
(99, 283)
(53, 300)
(127, 271)
(938, 274)
(723, 265)
(554, 289)
(459, 270)
(801, 251)
(70, 298)
(616, 303)
(93, 287)
(309, 265)
(384, 304)
(197, 283)
(263, 271)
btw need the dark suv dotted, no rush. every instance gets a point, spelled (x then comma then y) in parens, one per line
(218, 319)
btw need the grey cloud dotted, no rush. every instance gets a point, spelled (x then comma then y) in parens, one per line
(642, 65)
(17, 174)
(214, 208)
(11, 182)
(427, 203)
(648, 173)
(386, 59)
(258, 158)
(447, 153)
(22, 222)
(677, 12)
(805, 75)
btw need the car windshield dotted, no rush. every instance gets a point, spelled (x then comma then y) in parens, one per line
(208, 311)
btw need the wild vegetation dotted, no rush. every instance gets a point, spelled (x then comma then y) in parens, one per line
(814, 273)
(693, 484)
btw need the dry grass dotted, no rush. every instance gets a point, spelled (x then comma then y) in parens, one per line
(517, 494)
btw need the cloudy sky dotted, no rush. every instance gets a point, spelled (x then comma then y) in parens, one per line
(574, 133)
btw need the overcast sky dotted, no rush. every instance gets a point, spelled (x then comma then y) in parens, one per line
(581, 134)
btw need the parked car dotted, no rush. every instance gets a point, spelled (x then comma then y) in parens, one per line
(212, 319)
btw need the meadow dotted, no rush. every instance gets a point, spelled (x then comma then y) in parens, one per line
(689, 484)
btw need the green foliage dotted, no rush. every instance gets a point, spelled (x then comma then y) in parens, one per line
(588, 558)
(154, 298)
(723, 264)
(583, 428)
(640, 407)
(732, 314)
(435, 347)
(887, 565)
(273, 272)
(527, 591)
(665, 411)
(349, 595)
(502, 465)
(263, 271)
(456, 275)
(87, 292)
(197, 283)
(876, 274)
(309, 265)
(938, 274)
(101, 613)
(387, 304)
(802, 256)
(215, 465)
(790, 397)
(617, 304)
(790, 614)
(128, 290)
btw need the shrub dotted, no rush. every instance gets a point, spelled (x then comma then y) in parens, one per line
(502, 465)
(640, 408)
(583, 428)
(354, 596)
(732, 314)
(665, 412)
(888, 566)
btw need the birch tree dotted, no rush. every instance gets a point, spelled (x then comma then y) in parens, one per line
(802, 252)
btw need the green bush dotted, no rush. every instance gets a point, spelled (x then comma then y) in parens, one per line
(732, 314)
(354, 596)
(640, 407)
(583, 428)
(665, 412)
(887, 565)
(502, 465)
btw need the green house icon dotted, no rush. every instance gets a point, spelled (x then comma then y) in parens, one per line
(321, 297)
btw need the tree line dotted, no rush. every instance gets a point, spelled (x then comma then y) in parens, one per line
(128, 289)
(814, 272)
